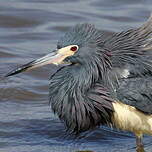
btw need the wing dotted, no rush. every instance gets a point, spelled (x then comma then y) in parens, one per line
(136, 92)
(132, 47)
(131, 50)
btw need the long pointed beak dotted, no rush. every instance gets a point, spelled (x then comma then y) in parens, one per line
(55, 57)
(52, 57)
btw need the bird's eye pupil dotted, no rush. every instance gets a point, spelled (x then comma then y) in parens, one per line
(73, 48)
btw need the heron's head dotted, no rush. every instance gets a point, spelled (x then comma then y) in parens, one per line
(81, 45)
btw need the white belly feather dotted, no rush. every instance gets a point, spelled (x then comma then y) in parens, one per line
(129, 118)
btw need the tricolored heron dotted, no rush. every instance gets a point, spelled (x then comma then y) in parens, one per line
(106, 81)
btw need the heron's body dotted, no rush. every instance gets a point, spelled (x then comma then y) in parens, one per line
(127, 112)
(108, 80)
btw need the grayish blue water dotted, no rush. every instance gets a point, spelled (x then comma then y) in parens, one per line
(30, 29)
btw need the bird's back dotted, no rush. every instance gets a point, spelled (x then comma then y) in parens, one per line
(131, 56)
(136, 92)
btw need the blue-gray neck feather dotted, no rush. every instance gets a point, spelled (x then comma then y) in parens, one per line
(79, 99)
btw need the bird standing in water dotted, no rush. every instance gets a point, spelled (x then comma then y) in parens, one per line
(106, 80)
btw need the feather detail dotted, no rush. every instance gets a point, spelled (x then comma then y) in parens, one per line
(132, 49)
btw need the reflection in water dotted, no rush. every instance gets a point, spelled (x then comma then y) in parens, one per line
(30, 29)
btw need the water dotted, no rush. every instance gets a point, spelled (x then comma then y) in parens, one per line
(30, 29)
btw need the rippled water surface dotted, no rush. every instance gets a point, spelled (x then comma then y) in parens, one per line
(30, 29)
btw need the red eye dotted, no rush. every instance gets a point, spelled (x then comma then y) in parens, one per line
(73, 48)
